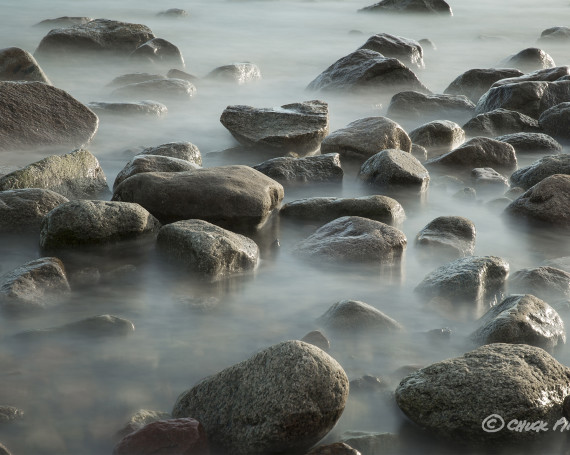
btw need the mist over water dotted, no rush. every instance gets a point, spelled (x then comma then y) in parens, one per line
(77, 393)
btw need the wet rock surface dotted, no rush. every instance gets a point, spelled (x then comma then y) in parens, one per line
(135, 109)
(488, 179)
(556, 121)
(546, 166)
(239, 73)
(438, 136)
(531, 143)
(548, 75)
(308, 170)
(475, 82)
(406, 50)
(181, 150)
(501, 121)
(163, 90)
(353, 316)
(453, 236)
(410, 6)
(412, 105)
(530, 59)
(548, 283)
(158, 51)
(19, 65)
(140, 419)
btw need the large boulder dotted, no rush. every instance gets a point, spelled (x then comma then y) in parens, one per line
(367, 70)
(207, 249)
(548, 75)
(238, 73)
(500, 121)
(296, 128)
(473, 83)
(406, 50)
(233, 197)
(453, 236)
(438, 136)
(530, 59)
(181, 150)
(556, 121)
(283, 399)
(145, 108)
(75, 175)
(412, 105)
(353, 316)
(19, 65)
(548, 283)
(163, 90)
(36, 115)
(531, 143)
(410, 6)
(365, 137)
(457, 399)
(158, 51)
(291, 171)
(546, 166)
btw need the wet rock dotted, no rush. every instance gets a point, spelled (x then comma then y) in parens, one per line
(233, 197)
(284, 398)
(160, 89)
(500, 121)
(311, 169)
(373, 443)
(353, 317)
(514, 192)
(365, 137)
(410, 6)
(428, 44)
(181, 150)
(453, 235)
(165, 437)
(240, 73)
(548, 75)
(4, 450)
(296, 128)
(318, 339)
(408, 51)
(326, 209)
(394, 168)
(63, 21)
(562, 263)
(487, 178)
(555, 34)
(134, 78)
(140, 419)
(367, 70)
(548, 283)
(467, 194)
(478, 152)
(530, 59)
(367, 383)
(475, 82)
(177, 74)
(35, 115)
(10, 413)
(23, 210)
(19, 65)
(99, 35)
(546, 166)
(145, 108)
(556, 121)
(452, 398)
(34, 285)
(419, 152)
(438, 136)
(418, 106)
(338, 448)
(531, 143)
(158, 51)
(153, 163)
(354, 239)
(81, 223)
(207, 249)
(173, 12)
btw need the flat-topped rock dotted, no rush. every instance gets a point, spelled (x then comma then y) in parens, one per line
(145, 108)
(453, 236)
(500, 121)
(166, 90)
(548, 75)
(419, 106)
(63, 21)
(181, 150)
(475, 82)
(307, 170)
(410, 6)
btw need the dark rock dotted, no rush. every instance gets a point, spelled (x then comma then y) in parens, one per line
(354, 317)
(158, 51)
(547, 283)
(394, 168)
(35, 114)
(547, 75)
(140, 419)
(136, 109)
(488, 178)
(160, 89)
(556, 121)
(64, 21)
(452, 235)
(283, 399)
(418, 106)
(546, 166)
(406, 50)
(500, 121)
(367, 383)
(338, 448)
(373, 443)
(410, 6)
(173, 12)
(240, 73)
(10, 413)
(19, 65)
(177, 74)
(318, 339)
(311, 169)
(530, 59)
(531, 143)
(475, 82)
(134, 78)
(555, 34)
(181, 150)
(438, 136)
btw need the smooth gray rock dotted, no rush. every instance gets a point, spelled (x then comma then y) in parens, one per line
(160, 89)
(353, 316)
(173, 13)
(158, 51)
(531, 143)
(308, 170)
(134, 78)
(365, 137)
(412, 105)
(530, 59)
(181, 150)
(453, 236)
(75, 175)
(548, 75)
(367, 71)
(296, 128)
(556, 121)
(410, 6)
(284, 398)
(240, 73)
(438, 136)
(487, 178)
(19, 65)
(326, 209)
(34, 285)
(408, 51)
(394, 168)
(145, 108)
(546, 282)
(80, 223)
(475, 82)
(318, 339)
(23, 210)
(37, 115)
(546, 166)
(452, 398)
(63, 21)
(546, 202)
(207, 249)
(178, 74)
(353, 239)
(555, 34)
(233, 197)
(500, 121)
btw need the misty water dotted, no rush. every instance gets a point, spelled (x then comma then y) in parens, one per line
(77, 393)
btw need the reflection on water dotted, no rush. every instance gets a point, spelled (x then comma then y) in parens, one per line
(76, 392)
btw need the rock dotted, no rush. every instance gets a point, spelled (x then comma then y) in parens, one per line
(556, 121)
(181, 150)
(488, 178)
(428, 44)
(4, 450)
(311, 169)
(530, 59)
(367, 70)
(419, 152)
(354, 317)
(153, 163)
(284, 398)
(531, 143)
(134, 78)
(173, 12)
(34, 285)
(35, 115)
(546, 166)
(64, 21)
(412, 105)
(99, 35)
(453, 235)
(338, 448)
(207, 249)
(296, 128)
(240, 73)
(140, 419)
(500, 121)
(548, 75)
(145, 108)
(467, 194)
(365, 137)
(81, 223)
(85, 277)
(478, 152)
(161, 89)
(10, 413)
(438, 136)
(158, 51)
(373, 443)
(233, 197)
(410, 6)
(354, 239)
(326, 209)
(472, 280)
(23, 210)
(75, 175)
(165, 437)
(451, 399)
(19, 65)
(177, 74)
(318, 339)
(548, 283)
(367, 383)
(562, 263)
(514, 192)
(408, 51)
(394, 168)
(475, 82)
(555, 34)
